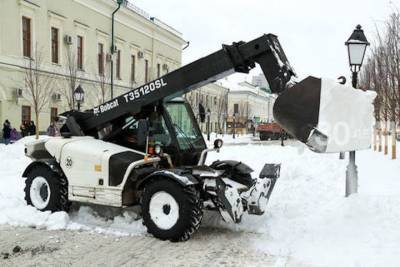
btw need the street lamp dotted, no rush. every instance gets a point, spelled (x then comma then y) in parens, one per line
(208, 124)
(356, 47)
(119, 2)
(79, 96)
(234, 125)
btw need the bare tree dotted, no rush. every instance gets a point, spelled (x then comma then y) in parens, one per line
(222, 110)
(39, 85)
(71, 78)
(103, 81)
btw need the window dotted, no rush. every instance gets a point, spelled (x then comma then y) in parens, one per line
(79, 52)
(236, 108)
(187, 133)
(146, 71)
(54, 45)
(26, 36)
(25, 113)
(215, 100)
(133, 66)
(119, 64)
(158, 70)
(100, 57)
(53, 114)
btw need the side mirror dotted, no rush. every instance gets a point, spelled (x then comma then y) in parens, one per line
(143, 132)
(218, 143)
(202, 113)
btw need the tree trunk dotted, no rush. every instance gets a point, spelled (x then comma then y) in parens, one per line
(37, 124)
(394, 141)
(386, 138)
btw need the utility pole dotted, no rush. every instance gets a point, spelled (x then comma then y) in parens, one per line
(119, 2)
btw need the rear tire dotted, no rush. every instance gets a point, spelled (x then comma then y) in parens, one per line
(171, 211)
(46, 190)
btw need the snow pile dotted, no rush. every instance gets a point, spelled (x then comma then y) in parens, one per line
(308, 218)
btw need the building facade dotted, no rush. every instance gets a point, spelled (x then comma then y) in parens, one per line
(248, 105)
(49, 47)
(214, 99)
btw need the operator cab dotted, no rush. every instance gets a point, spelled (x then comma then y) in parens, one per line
(170, 124)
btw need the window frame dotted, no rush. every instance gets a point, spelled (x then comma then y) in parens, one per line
(146, 70)
(100, 58)
(53, 115)
(118, 67)
(55, 44)
(23, 115)
(80, 51)
(27, 37)
(133, 68)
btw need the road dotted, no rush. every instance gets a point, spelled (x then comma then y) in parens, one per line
(209, 247)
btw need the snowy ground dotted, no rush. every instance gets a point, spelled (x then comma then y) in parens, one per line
(308, 219)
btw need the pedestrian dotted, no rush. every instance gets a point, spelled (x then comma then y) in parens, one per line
(32, 128)
(6, 132)
(14, 136)
(52, 130)
(24, 129)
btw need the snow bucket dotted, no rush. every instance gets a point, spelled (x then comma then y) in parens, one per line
(327, 116)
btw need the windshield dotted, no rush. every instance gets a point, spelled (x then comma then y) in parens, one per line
(188, 134)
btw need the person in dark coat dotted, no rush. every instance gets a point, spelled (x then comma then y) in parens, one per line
(24, 129)
(32, 128)
(6, 132)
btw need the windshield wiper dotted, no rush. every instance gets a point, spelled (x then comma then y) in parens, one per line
(187, 139)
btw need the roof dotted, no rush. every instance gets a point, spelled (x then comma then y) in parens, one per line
(243, 87)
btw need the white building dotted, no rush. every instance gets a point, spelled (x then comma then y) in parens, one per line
(76, 34)
(249, 104)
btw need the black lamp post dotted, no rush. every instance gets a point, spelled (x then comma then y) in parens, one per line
(356, 46)
(234, 125)
(208, 124)
(79, 96)
(119, 2)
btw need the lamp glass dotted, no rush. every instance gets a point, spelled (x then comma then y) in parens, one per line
(356, 53)
(78, 96)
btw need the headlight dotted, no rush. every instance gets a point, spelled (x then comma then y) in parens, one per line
(157, 149)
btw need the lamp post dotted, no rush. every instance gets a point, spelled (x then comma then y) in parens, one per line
(356, 47)
(234, 125)
(208, 124)
(79, 96)
(119, 2)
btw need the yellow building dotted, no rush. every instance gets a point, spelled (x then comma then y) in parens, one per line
(70, 43)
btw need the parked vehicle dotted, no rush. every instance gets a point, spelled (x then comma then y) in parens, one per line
(271, 131)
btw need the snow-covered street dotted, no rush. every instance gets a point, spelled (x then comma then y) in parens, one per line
(309, 222)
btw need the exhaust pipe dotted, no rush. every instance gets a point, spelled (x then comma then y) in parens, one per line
(328, 117)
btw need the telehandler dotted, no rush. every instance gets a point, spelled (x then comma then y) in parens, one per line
(145, 148)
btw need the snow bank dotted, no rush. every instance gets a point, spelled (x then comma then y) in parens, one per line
(308, 218)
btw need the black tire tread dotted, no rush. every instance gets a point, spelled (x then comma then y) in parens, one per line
(58, 186)
(192, 211)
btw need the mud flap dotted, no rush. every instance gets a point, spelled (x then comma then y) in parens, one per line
(327, 116)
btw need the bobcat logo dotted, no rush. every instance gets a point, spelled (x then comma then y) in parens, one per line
(68, 162)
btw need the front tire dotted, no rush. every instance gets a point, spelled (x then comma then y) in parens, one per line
(171, 211)
(46, 190)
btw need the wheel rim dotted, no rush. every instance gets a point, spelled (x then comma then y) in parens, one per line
(164, 210)
(40, 192)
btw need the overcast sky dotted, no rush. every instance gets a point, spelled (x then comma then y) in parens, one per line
(312, 32)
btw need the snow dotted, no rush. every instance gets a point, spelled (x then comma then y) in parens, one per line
(308, 217)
